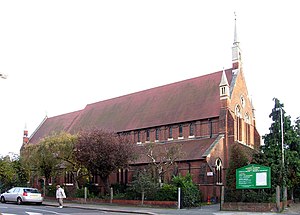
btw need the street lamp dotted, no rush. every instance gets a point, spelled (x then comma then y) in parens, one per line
(3, 76)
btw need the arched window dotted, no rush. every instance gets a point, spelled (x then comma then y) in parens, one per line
(238, 123)
(219, 171)
(180, 130)
(147, 135)
(139, 136)
(247, 118)
(157, 134)
(238, 111)
(170, 132)
(247, 126)
(192, 129)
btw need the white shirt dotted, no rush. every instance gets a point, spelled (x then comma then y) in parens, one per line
(60, 193)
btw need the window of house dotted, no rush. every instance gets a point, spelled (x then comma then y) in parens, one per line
(68, 178)
(139, 136)
(180, 130)
(157, 134)
(223, 90)
(192, 129)
(148, 135)
(50, 181)
(126, 176)
(94, 178)
(170, 132)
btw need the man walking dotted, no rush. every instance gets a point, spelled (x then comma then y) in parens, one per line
(60, 195)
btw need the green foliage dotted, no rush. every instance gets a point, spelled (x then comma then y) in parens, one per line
(92, 192)
(51, 190)
(233, 195)
(40, 158)
(142, 181)
(119, 188)
(168, 192)
(287, 173)
(190, 193)
(7, 173)
(12, 172)
(79, 193)
(22, 173)
(237, 159)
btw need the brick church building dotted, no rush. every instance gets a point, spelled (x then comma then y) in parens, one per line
(205, 115)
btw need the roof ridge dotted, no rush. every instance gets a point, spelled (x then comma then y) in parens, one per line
(64, 114)
(33, 133)
(218, 138)
(157, 87)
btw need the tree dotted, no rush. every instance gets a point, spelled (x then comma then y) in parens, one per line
(162, 158)
(63, 148)
(143, 184)
(286, 173)
(103, 152)
(41, 159)
(190, 192)
(6, 173)
(238, 158)
(12, 172)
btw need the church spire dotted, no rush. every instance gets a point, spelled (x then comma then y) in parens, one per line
(235, 40)
(236, 50)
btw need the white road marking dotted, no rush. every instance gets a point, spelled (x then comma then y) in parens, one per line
(41, 210)
(33, 213)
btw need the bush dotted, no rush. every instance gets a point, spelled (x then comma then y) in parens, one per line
(259, 196)
(119, 188)
(190, 194)
(51, 191)
(142, 182)
(79, 193)
(167, 192)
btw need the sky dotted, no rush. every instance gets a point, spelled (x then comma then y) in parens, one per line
(61, 55)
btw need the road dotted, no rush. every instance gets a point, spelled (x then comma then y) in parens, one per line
(30, 209)
(50, 208)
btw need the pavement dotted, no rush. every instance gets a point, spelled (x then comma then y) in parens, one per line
(213, 209)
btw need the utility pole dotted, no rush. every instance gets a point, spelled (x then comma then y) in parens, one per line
(282, 158)
(282, 137)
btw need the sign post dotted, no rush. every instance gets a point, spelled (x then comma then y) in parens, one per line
(253, 176)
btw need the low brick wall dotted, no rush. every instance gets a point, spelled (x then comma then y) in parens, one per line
(252, 207)
(165, 204)
(248, 206)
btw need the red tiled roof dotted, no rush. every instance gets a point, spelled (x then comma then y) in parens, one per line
(53, 125)
(188, 100)
(191, 150)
